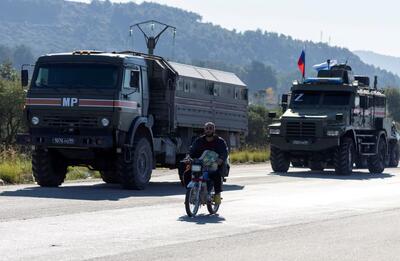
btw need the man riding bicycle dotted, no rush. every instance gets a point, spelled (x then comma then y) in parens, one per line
(211, 141)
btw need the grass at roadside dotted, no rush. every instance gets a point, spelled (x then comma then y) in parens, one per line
(16, 167)
(250, 156)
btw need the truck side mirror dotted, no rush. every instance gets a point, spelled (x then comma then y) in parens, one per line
(284, 102)
(284, 98)
(24, 78)
(271, 115)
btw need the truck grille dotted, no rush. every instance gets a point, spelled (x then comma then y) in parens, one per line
(300, 129)
(75, 122)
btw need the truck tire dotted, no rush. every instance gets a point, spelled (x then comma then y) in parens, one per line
(49, 170)
(344, 157)
(136, 173)
(317, 165)
(394, 155)
(376, 163)
(279, 160)
(109, 176)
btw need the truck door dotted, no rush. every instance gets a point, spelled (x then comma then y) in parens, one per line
(130, 102)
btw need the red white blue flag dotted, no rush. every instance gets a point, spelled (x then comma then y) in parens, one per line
(302, 63)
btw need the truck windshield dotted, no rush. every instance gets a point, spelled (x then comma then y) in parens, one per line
(300, 98)
(76, 76)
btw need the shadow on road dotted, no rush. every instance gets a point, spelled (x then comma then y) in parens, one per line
(356, 175)
(203, 219)
(104, 191)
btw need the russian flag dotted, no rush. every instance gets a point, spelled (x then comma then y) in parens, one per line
(302, 63)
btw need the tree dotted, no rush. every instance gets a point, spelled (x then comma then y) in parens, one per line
(258, 125)
(258, 76)
(393, 102)
(12, 99)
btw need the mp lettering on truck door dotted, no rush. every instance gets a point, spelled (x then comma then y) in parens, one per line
(69, 102)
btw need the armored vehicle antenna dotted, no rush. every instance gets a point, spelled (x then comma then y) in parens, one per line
(151, 41)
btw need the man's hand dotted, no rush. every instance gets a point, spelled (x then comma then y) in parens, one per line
(220, 161)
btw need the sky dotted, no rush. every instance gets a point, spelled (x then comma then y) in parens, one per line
(357, 25)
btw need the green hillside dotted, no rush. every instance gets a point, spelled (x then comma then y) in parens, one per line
(57, 25)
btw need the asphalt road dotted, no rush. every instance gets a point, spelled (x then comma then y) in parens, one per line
(300, 215)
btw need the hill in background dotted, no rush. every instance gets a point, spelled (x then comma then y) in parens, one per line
(387, 62)
(263, 59)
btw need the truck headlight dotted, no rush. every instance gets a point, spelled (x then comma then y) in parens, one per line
(332, 133)
(35, 120)
(105, 122)
(274, 131)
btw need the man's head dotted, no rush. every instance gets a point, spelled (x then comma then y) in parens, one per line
(209, 129)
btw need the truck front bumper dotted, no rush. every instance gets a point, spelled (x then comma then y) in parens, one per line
(301, 144)
(65, 141)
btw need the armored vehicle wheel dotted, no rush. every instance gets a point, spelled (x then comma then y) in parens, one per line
(317, 165)
(279, 160)
(394, 155)
(136, 172)
(109, 176)
(376, 163)
(344, 157)
(49, 170)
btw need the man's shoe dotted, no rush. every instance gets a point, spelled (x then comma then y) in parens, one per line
(217, 199)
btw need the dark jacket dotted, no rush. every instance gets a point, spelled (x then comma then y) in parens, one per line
(218, 145)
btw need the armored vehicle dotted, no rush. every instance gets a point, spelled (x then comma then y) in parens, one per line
(124, 113)
(335, 120)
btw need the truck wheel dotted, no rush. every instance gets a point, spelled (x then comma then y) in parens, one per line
(376, 163)
(394, 156)
(109, 176)
(49, 170)
(317, 165)
(136, 173)
(344, 157)
(279, 160)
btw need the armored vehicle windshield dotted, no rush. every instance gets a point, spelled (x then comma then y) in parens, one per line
(75, 76)
(315, 98)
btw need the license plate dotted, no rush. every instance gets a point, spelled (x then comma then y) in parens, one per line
(64, 141)
(300, 142)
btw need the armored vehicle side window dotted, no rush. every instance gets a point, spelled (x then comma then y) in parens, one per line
(132, 78)
(336, 98)
(305, 98)
(75, 76)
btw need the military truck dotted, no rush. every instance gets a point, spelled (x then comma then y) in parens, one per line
(124, 113)
(335, 120)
